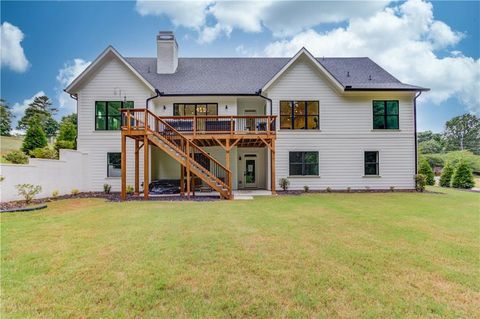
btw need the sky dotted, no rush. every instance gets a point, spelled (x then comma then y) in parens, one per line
(45, 45)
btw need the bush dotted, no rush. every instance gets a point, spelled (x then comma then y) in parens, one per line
(463, 176)
(426, 170)
(75, 192)
(447, 173)
(55, 194)
(392, 188)
(68, 131)
(306, 188)
(454, 157)
(420, 182)
(66, 145)
(107, 188)
(28, 191)
(284, 183)
(329, 190)
(44, 152)
(16, 157)
(129, 189)
(349, 189)
(35, 138)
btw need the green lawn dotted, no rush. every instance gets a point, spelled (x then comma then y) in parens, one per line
(314, 256)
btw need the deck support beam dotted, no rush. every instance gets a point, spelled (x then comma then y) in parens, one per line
(145, 166)
(137, 169)
(272, 167)
(123, 173)
(188, 169)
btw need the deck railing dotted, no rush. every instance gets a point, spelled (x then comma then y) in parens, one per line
(205, 124)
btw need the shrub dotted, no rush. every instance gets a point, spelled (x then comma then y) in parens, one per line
(392, 188)
(129, 189)
(349, 189)
(454, 157)
(68, 131)
(284, 183)
(426, 170)
(55, 194)
(75, 192)
(447, 173)
(306, 188)
(2, 178)
(107, 188)
(44, 152)
(16, 157)
(35, 138)
(66, 145)
(463, 176)
(329, 190)
(28, 191)
(420, 182)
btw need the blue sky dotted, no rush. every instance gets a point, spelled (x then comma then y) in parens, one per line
(45, 44)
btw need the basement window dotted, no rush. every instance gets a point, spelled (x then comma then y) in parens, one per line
(114, 166)
(303, 163)
(371, 164)
(108, 116)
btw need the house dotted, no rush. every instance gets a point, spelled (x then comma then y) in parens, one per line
(244, 123)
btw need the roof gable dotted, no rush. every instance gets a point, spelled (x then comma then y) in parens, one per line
(97, 63)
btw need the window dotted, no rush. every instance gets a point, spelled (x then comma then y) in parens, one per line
(385, 115)
(299, 115)
(191, 109)
(371, 163)
(108, 116)
(303, 163)
(114, 166)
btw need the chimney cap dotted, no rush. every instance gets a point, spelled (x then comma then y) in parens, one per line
(165, 36)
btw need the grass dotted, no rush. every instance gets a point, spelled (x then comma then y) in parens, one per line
(8, 144)
(317, 255)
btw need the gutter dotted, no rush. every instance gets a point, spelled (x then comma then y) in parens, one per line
(415, 128)
(259, 93)
(158, 94)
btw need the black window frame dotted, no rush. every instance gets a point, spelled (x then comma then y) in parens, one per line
(385, 115)
(376, 163)
(108, 163)
(107, 116)
(303, 163)
(176, 105)
(292, 115)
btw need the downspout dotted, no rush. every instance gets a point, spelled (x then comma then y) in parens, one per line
(157, 92)
(259, 93)
(415, 128)
(75, 97)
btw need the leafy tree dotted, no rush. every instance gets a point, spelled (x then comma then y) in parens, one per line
(463, 133)
(426, 170)
(429, 135)
(68, 130)
(41, 111)
(430, 147)
(72, 118)
(5, 118)
(463, 176)
(447, 172)
(35, 138)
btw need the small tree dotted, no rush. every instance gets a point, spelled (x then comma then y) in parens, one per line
(28, 191)
(35, 138)
(16, 157)
(447, 173)
(284, 183)
(5, 118)
(68, 131)
(426, 170)
(463, 176)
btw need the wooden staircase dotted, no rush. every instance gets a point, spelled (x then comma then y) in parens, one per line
(184, 151)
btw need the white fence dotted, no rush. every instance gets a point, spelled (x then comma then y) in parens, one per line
(62, 175)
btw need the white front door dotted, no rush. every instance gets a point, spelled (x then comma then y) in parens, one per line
(250, 172)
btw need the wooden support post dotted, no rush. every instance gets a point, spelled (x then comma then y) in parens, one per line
(124, 167)
(137, 169)
(145, 166)
(188, 169)
(272, 168)
(227, 164)
(182, 180)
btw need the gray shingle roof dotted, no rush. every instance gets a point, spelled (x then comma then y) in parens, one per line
(248, 75)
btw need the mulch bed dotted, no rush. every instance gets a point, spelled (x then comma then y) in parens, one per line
(113, 197)
(300, 192)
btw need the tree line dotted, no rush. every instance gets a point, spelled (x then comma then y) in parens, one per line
(39, 124)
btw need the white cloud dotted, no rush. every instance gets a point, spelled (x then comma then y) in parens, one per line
(282, 18)
(65, 76)
(12, 54)
(404, 40)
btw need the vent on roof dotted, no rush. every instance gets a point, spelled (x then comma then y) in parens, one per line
(348, 74)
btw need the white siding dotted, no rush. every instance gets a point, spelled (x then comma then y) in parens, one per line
(113, 82)
(345, 133)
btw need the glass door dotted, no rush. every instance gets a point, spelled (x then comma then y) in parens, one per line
(250, 172)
